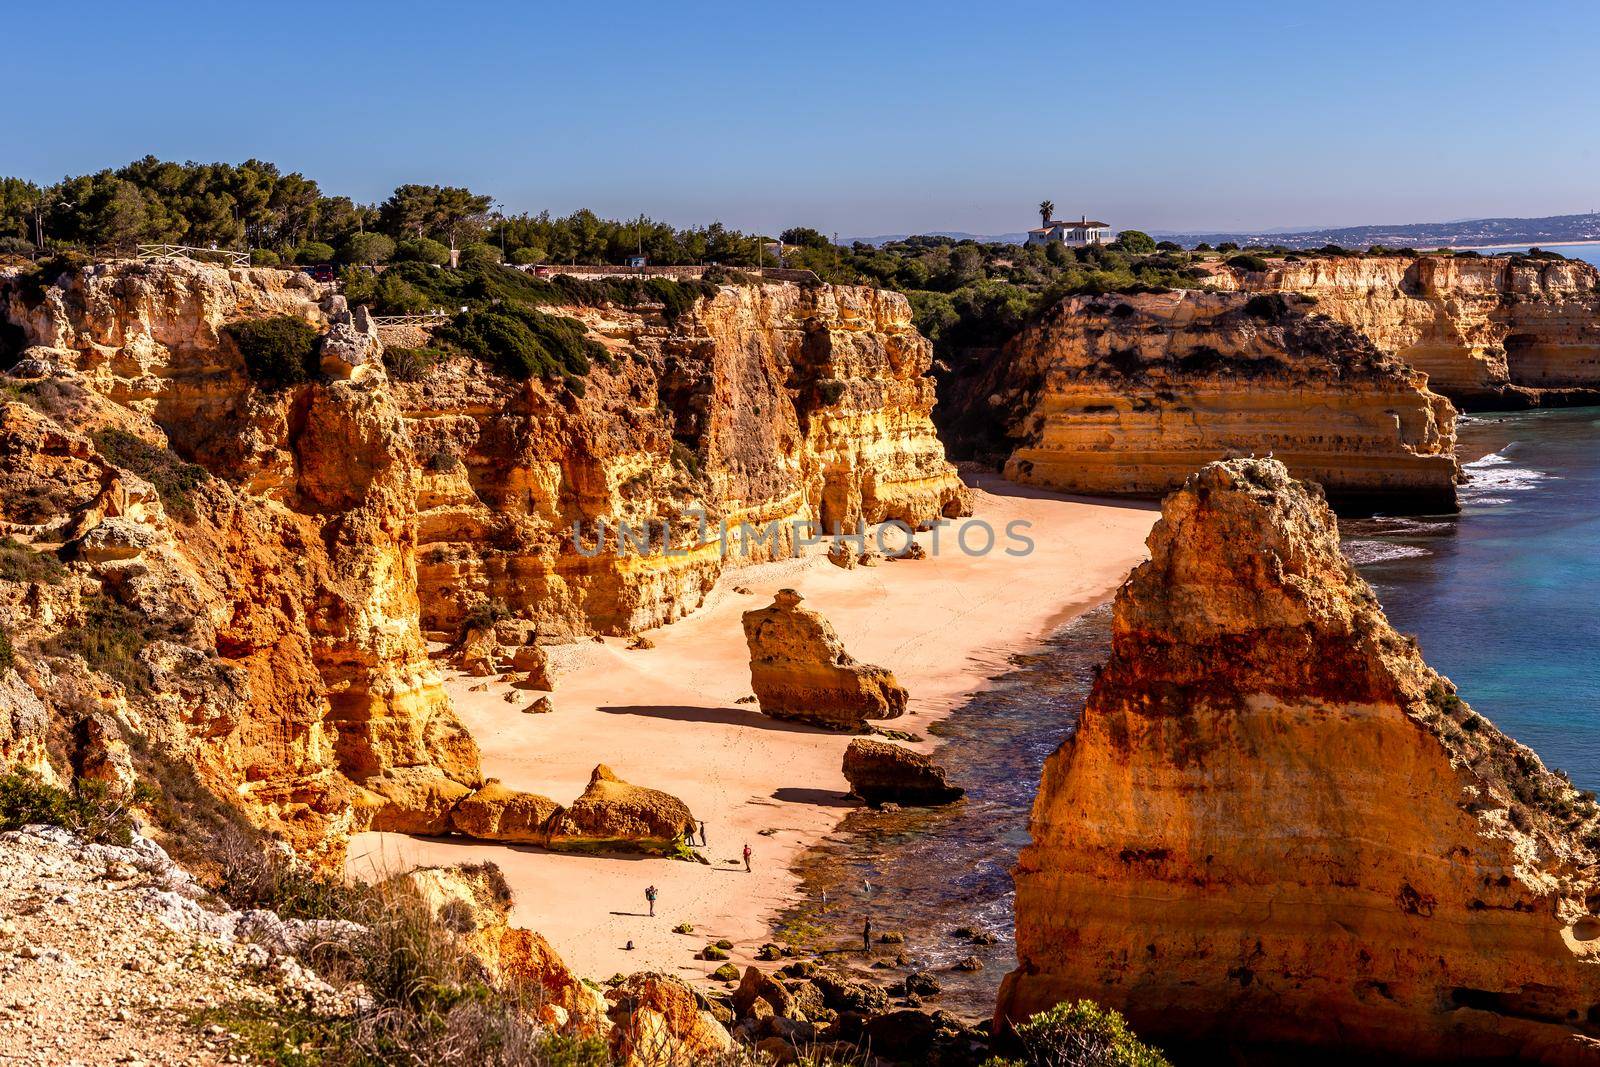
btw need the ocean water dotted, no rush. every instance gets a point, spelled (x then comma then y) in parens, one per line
(1504, 598)
(1586, 252)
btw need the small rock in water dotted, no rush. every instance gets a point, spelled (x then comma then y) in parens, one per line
(970, 963)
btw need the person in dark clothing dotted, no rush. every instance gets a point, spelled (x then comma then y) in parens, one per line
(866, 936)
(703, 833)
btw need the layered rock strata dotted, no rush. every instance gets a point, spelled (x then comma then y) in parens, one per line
(770, 406)
(1275, 825)
(1129, 394)
(800, 670)
(276, 555)
(1489, 332)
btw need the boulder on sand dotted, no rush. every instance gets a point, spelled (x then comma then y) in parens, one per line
(880, 773)
(611, 814)
(498, 813)
(800, 670)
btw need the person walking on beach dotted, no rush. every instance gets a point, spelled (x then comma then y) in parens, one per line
(747, 859)
(866, 936)
(650, 897)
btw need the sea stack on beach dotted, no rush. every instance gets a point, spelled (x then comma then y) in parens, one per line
(1276, 824)
(800, 670)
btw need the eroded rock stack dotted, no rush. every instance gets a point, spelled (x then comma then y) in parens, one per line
(1129, 394)
(1276, 824)
(800, 670)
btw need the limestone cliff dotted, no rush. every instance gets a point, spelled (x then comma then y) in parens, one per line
(264, 600)
(269, 559)
(1489, 332)
(1129, 394)
(764, 404)
(1276, 825)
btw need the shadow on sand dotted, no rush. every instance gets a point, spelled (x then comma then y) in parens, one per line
(723, 716)
(828, 798)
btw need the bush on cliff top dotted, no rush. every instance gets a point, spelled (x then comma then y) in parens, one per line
(279, 351)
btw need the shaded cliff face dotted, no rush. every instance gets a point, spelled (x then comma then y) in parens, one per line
(765, 404)
(1275, 824)
(267, 560)
(1489, 332)
(1129, 394)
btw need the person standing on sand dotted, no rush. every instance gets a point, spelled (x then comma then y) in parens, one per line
(703, 843)
(650, 897)
(747, 859)
(866, 936)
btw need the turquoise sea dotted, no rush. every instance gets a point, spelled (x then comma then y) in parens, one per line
(1504, 598)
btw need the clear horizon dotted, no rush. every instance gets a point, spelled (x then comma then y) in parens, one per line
(858, 121)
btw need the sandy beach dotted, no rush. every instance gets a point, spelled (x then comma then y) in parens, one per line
(668, 717)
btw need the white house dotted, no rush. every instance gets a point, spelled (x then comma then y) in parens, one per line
(1076, 234)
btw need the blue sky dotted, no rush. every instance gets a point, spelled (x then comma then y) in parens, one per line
(860, 118)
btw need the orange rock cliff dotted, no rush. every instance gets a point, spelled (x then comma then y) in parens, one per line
(271, 561)
(1275, 824)
(1129, 394)
(1490, 332)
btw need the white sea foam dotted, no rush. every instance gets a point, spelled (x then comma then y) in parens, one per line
(1361, 552)
(1489, 479)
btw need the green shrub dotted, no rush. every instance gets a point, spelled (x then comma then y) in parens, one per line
(264, 257)
(20, 563)
(1247, 262)
(87, 809)
(109, 637)
(527, 256)
(479, 253)
(367, 248)
(312, 253)
(523, 343)
(1084, 1034)
(279, 351)
(484, 614)
(422, 250)
(173, 478)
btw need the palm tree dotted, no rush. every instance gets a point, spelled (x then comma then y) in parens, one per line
(1047, 208)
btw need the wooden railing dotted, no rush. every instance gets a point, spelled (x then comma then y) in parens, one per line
(427, 318)
(191, 254)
